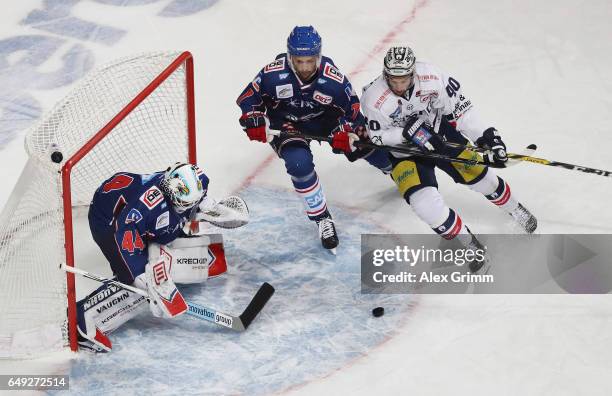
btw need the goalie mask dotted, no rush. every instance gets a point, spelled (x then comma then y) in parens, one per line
(182, 186)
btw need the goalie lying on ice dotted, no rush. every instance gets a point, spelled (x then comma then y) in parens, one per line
(146, 227)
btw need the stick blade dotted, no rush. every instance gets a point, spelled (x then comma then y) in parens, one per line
(260, 299)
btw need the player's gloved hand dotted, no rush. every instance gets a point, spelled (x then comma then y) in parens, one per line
(422, 134)
(255, 124)
(343, 139)
(496, 153)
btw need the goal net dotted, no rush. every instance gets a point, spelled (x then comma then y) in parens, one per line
(135, 114)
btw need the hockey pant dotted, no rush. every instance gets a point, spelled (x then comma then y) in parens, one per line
(416, 181)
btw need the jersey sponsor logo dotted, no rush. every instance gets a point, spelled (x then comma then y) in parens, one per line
(284, 91)
(382, 99)
(426, 95)
(321, 81)
(428, 77)
(163, 220)
(333, 73)
(152, 197)
(322, 98)
(277, 65)
(134, 216)
(283, 76)
(461, 107)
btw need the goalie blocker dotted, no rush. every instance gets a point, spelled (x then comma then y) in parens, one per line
(185, 260)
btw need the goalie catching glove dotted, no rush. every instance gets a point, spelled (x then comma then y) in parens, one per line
(230, 212)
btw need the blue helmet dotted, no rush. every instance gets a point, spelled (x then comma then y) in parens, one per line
(304, 41)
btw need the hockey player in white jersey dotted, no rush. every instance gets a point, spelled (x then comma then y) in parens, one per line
(414, 103)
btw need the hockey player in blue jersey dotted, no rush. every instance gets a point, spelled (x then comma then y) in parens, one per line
(134, 220)
(303, 91)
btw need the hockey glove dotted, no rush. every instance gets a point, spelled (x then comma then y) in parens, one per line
(255, 124)
(343, 139)
(422, 134)
(491, 141)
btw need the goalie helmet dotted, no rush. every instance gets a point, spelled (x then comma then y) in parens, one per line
(399, 62)
(182, 186)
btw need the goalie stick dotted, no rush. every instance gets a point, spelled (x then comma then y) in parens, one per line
(237, 323)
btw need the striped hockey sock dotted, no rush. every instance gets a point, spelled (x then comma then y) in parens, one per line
(310, 190)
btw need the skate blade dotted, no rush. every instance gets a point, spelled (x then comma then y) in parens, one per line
(333, 251)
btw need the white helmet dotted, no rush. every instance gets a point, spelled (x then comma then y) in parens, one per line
(398, 62)
(182, 186)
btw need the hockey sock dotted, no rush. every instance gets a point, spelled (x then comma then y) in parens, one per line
(310, 190)
(453, 227)
(502, 197)
(497, 191)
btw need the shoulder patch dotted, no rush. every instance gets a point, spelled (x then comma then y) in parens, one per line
(134, 216)
(163, 220)
(277, 65)
(333, 73)
(152, 197)
(321, 97)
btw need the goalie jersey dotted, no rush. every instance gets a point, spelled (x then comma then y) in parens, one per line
(127, 212)
(434, 95)
(316, 107)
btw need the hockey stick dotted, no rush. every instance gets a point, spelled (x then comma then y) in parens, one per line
(415, 151)
(238, 323)
(541, 161)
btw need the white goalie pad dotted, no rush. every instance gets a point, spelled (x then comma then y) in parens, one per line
(192, 259)
(230, 212)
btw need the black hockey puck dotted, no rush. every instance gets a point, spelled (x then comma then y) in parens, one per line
(378, 312)
(57, 157)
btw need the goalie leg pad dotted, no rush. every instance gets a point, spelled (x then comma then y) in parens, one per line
(103, 311)
(194, 259)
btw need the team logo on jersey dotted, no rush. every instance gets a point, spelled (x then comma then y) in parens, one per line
(322, 98)
(333, 73)
(163, 220)
(397, 111)
(134, 216)
(284, 91)
(152, 197)
(277, 65)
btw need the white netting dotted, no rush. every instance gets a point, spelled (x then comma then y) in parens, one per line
(152, 136)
